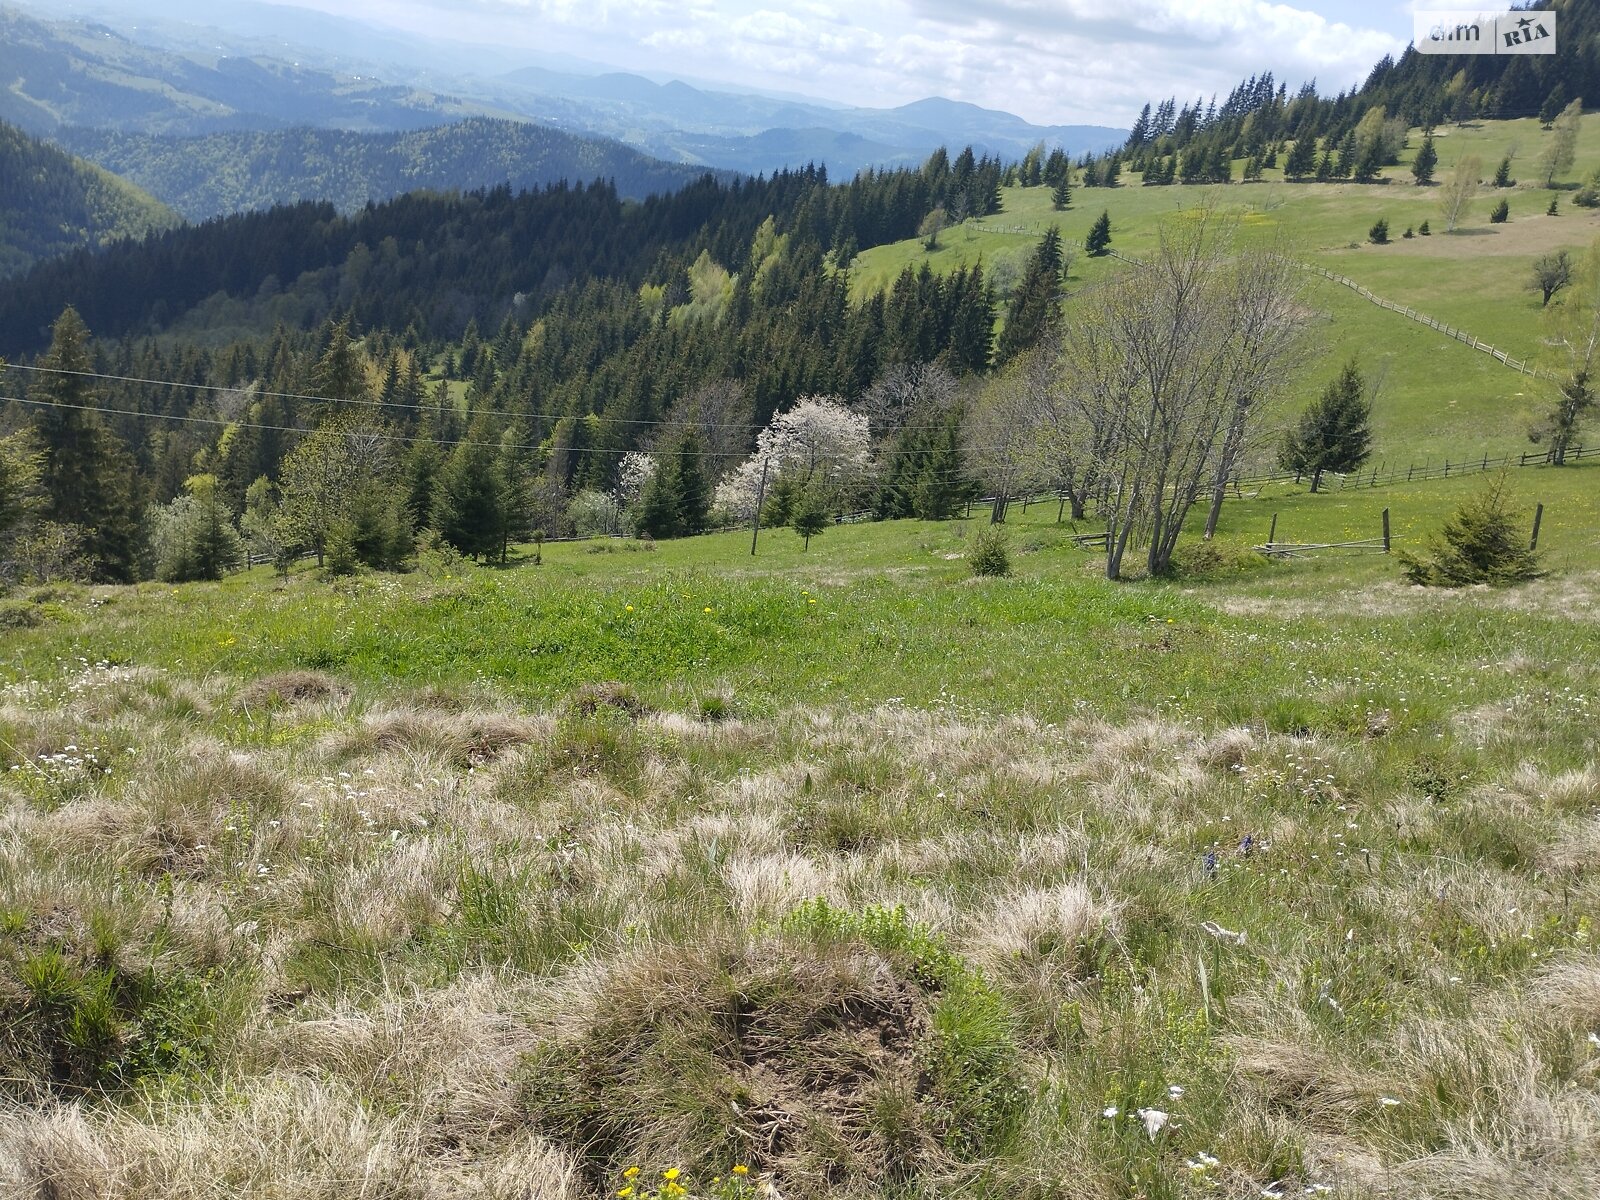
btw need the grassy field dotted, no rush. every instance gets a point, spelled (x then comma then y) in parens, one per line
(823, 872)
(1441, 399)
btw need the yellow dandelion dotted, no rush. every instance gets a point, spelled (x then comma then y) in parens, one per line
(672, 1173)
(625, 1192)
(706, 609)
(631, 1173)
(741, 1169)
(810, 601)
(630, 608)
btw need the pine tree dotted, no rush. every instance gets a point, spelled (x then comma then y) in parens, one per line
(1335, 431)
(1061, 198)
(1099, 239)
(88, 472)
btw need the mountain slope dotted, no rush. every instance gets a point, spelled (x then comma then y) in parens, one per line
(220, 173)
(51, 203)
(60, 73)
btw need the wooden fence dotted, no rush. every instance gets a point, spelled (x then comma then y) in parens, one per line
(1519, 365)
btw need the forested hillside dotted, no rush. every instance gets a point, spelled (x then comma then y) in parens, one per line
(214, 174)
(51, 203)
(1192, 142)
(435, 262)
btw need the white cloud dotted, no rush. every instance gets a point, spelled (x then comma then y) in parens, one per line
(1052, 61)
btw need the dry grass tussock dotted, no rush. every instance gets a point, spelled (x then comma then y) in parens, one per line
(284, 1135)
(433, 946)
(1566, 596)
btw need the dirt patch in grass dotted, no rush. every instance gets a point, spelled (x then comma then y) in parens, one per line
(289, 687)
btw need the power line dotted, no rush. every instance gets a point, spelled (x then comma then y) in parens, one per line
(380, 435)
(379, 404)
(375, 434)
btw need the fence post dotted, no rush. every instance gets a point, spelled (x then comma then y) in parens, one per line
(1272, 534)
(1410, 469)
(1538, 518)
(1447, 468)
(1386, 531)
(755, 517)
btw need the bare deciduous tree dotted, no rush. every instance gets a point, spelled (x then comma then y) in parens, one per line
(1551, 273)
(1576, 331)
(1460, 188)
(1166, 369)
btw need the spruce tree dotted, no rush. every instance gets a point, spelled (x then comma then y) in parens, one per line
(658, 506)
(469, 505)
(1035, 305)
(1099, 238)
(1335, 431)
(809, 516)
(1062, 196)
(692, 488)
(1427, 159)
(1302, 160)
(1483, 542)
(88, 472)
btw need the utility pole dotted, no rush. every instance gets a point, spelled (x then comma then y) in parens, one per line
(755, 517)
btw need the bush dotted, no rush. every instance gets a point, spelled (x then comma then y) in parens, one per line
(1500, 213)
(990, 552)
(1423, 230)
(1378, 235)
(1409, 233)
(1483, 542)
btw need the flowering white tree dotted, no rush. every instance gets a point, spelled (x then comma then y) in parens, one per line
(819, 440)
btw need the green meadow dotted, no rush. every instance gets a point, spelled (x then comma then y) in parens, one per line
(1440, 399)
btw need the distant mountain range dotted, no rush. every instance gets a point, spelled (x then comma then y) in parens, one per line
(211, 174)
(191, 68)
(51, 202)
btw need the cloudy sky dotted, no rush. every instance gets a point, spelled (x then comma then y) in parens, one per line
(1052, 61)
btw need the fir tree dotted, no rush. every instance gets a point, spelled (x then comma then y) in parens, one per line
(1061, 198)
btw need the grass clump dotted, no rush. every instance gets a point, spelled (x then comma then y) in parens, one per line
(843, 1052)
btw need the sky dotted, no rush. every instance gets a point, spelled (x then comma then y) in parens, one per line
(1050, 61)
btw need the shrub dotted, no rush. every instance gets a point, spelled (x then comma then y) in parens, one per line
(1378, 235)
(1423, 230)
(990, 552)
(1409, 233)
(1483, 542)
(1500, 213)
